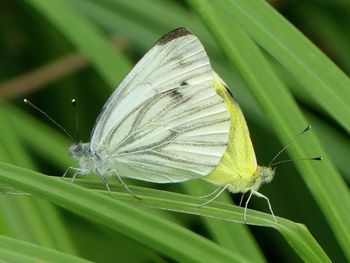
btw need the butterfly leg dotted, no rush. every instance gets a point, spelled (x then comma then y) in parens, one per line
(74, 176)
(268, 202)
(69, 168)
(212, 193)
(65, 173)
(126, 187)
(216, 195)
(106, 183)
(240, 202)
(246, 205)
(76, 172)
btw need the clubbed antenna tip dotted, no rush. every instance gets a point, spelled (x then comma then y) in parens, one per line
(298, 159)
(289, 143)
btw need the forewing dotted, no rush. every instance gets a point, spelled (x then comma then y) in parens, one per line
(239, 162)
(165, 118)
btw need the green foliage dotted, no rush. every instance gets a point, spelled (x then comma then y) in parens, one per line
(282, 80)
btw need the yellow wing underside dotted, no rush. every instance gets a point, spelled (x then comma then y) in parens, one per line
(238, 163)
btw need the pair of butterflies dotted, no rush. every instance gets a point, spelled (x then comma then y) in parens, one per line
(172, 119)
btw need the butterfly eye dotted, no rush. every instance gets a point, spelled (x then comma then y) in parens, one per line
(75, 150)
(78, 150)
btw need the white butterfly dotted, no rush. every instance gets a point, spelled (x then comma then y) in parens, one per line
(164, 123)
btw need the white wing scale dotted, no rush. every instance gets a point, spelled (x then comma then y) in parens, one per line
(164, 122)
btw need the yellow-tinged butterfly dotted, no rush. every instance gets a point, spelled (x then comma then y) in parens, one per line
(238, 170)
(171, 120)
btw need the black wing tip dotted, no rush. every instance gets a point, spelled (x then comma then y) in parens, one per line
(176, 33)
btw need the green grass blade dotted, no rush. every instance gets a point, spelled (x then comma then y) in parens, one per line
(11, 256)
(38, 136)
(234, 237)
(13, 250)
(328, 31)
(324, 182)
(111, 64)
(338, 149)
(328, 85)
(181, 244)
(296, 234)
(171, 15)
(335, 141)
(28, 218)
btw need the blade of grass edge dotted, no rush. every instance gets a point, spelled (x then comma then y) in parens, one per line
(167, 238)
(297, 235)
(107, 60)
(328, 85)
(15, 250)
(115, 214)
(27, 216)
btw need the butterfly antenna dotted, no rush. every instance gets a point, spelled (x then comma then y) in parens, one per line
(289, 143)
(49, 118)
(299, 159)
(74, 103)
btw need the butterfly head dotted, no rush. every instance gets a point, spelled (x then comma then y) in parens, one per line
(78, 150)
(265, 174)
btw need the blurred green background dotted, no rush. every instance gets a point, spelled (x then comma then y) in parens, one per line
(53, 51)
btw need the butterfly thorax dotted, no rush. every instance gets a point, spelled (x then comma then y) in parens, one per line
(242, 184)
(266, 174)
(89, 161)
(261, 176)
(79, 150)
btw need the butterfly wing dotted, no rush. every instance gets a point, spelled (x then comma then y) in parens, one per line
(238, 164)
(165, 122)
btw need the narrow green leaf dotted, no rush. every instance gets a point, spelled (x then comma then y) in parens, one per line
(111, 64)
(328, 85)
(182, 244)
(14, 250)
(28, 218)
(335, 38)
(15, 257)
(296, 234)
(234, 237)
